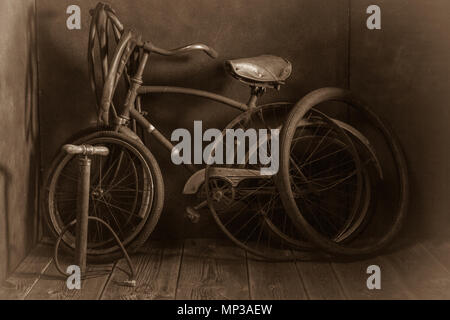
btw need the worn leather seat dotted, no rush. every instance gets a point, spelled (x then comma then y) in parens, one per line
(262, 71)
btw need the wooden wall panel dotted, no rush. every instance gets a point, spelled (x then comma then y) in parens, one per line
(403, 71)
(19, 160)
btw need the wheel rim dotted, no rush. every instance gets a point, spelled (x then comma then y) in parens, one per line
(374, 243)
(245, 224)
(325, 172)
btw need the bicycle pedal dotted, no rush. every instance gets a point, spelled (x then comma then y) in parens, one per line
(192, 215)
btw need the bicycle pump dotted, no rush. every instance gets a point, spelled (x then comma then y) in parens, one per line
(84, 153)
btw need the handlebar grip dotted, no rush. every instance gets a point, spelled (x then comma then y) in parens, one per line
(85, 150)
(198, 46)
(192, 47)
(212, 53)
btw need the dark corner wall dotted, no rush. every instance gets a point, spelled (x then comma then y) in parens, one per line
(19, 160)
(403, 70)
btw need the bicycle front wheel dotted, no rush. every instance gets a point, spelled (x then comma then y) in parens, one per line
(126, 191)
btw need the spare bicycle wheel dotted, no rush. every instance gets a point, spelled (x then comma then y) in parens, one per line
(388, 163)
(332, 190)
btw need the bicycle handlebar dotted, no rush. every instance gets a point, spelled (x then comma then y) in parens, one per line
(192, 47)
(150, 46)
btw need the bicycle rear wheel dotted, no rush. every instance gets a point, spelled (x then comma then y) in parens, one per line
(234, 191)
(246, 204)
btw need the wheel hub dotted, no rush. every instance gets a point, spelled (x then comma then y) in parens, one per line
(99, 193)
(218, 195)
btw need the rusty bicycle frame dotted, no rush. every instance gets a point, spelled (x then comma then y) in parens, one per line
(132, 52)
(129, 42)
(126, 65)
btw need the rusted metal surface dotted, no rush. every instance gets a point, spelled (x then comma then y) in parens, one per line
(103, 18)
(192, 47)
(82, 213)
(83, 195)
(232, 175)
(128, 43)
(194, 183)
(193, 92)
(112, 79)
(86, 150)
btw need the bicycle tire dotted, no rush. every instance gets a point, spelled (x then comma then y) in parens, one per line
(302, 107)
(152, 213)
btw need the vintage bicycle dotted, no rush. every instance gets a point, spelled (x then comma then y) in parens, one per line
(323, 196)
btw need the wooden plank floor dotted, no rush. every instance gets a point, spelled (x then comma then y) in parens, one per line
(216, 269)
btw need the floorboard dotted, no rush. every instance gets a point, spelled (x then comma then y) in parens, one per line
(440, 249)
(217, 269)
(353, 278)
(157, 266)
(320, 281)
(422, 273)
(212, 269)
(52, 285)
(20, 283)
(275, 280)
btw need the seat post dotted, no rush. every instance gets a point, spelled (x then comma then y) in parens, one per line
(256, 92)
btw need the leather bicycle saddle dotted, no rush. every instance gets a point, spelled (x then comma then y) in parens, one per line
(262, 71)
